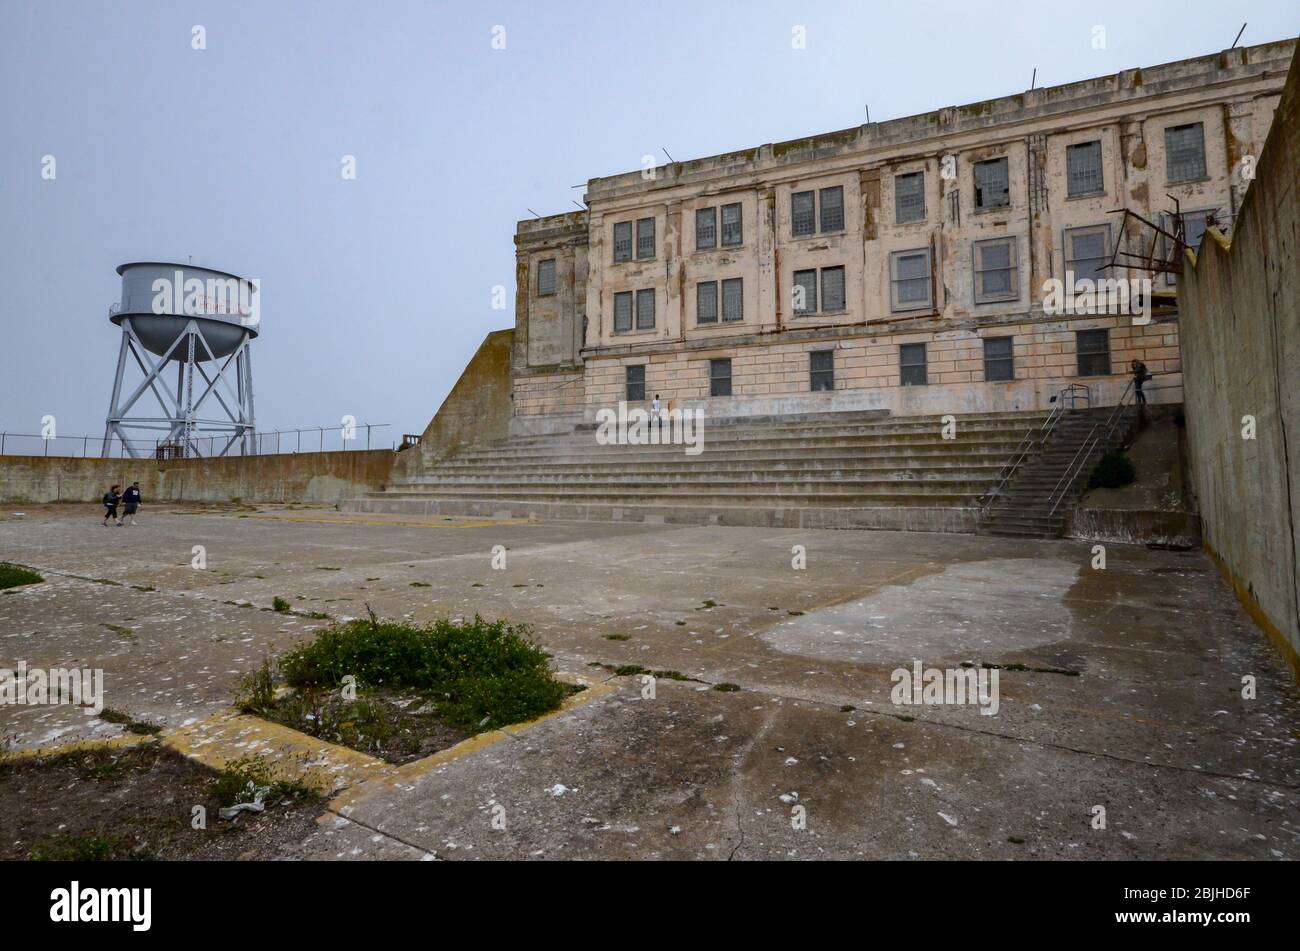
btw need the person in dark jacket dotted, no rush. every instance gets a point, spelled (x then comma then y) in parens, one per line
(111, 498)
(1140, 376)
(131, 502)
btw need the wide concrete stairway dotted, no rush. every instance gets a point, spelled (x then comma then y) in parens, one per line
(832, 470)
(1046, 484)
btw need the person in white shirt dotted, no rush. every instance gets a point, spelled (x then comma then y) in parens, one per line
(654, 412)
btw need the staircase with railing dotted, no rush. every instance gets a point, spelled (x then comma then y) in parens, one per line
(1034, 499)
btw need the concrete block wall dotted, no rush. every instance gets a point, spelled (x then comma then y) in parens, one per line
(1241, 347)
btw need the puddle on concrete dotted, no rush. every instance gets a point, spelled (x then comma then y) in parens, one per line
(981, 608)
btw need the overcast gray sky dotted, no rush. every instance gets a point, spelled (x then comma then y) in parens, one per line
(378, 290)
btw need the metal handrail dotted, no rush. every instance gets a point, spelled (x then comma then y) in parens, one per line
(1084, 452)
(1032, 436)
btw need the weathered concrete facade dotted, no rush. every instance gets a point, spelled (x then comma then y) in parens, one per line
(1241, 339)
(865, 228)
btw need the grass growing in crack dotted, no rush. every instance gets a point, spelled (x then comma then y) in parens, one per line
(242, 779)
(280, 604)
(129, 723)
(618, 637)
(14, 576)
(726, 687)
(94, 847)
(470, 676)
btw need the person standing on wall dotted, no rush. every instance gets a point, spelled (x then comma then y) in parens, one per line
(131, 501)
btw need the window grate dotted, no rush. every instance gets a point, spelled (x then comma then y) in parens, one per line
(622, 241)
(1086, 252)
(733, 300)
(804, 292)
(706, 229)
(803, 219)
(999, 360)
(622, 312)
(720, 377)
(706, 302)
(1083, 169)
(832, 289)
(821, 370)
(645, 238)
(732, 233)
(1185, 152)
(911, 364)
(645, 309)
(992, 185)
(909, 197)
(1093, 352)
(832, 200)
(635, 383)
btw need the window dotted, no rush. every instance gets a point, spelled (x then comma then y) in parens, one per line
(992, 187)
(804, 290)
(645, 238)
(719, 377)
(1086, 252)
(832, 289)
(635, 383)
(622, 312)
(832, 209)
(1093, 349)
(821, 370)
(996, 274)
(999, 363)
(706, 228)
(1185, 152)
(645, 309)
(706, 302)
(732, 232)
(623, 241)
(802, 218)
(1194, 225)
(546, 277)
(909, 197)
(1083, 169)
(909, 278)
(911, 364)
(733, 300)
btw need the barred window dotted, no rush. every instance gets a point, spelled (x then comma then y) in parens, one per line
(910, 279)
(1185, 152)
(803, 219)
(733, 300)
(911, 364)
(645, 238)
(732, 232)
(821, 370)
(992, 184)
(720, 377)
(999, 360)
(706, 228)
(1083, 169)
(622, 312)
(635, 383)
(832, 200)
(645, 309)
(706, 302)
(546, 277)
(623, 241)
(832, 289)
(804, 292)
(996, 274)
(1086, 252)
(909, 197)
(1093, 350)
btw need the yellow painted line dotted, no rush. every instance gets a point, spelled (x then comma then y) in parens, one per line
(455, 523)
(123, 741)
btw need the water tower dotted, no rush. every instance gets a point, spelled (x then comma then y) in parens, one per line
(188, 330)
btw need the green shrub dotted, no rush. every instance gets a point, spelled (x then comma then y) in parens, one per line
(1112, 471)
(11, 576)
(480, 674)
(280, 604)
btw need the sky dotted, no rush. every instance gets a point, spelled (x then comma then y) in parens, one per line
(377, 290)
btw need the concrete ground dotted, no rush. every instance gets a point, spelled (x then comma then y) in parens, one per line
(1119, 688)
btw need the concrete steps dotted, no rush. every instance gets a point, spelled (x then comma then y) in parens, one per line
(835, 470)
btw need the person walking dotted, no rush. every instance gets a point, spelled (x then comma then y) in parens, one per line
(111, 498)
(131, 502)
(654, 413)
(1140, 376)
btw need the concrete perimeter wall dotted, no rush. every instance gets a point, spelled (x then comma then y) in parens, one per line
(296, 477)
(1241, 350)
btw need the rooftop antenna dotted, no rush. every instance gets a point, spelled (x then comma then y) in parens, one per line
(868, 108)
(1239, 32)
(1034, 79)
(531, 212)
(670, 158)
(583, 207)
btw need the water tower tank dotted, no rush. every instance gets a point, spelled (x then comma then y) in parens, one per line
(189, 329)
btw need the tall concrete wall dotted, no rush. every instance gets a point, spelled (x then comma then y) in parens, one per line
(296, 477)
(1241, 350)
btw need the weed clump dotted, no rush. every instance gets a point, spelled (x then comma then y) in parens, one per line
(1112, 471)
(13, 576)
